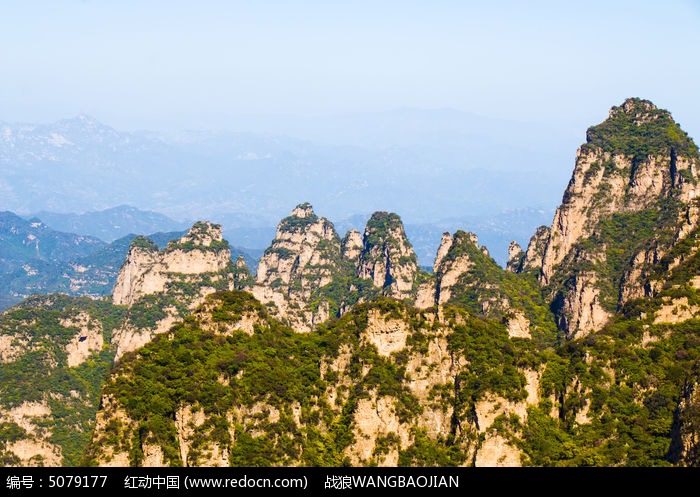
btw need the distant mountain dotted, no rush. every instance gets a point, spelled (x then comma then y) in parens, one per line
(457, 164)
(31, 251)
(23, 239)
(110, 224)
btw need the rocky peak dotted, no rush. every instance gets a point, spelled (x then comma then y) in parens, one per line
(303, 257)
(181, 275)
(445, 244)
(515, 257)
(241, 274)
(637, 110)
(532, 260)
(202, 234)
(638, 129)
(201, 250)
(454, 262)
(302, 239)
(143, 254)
(240, 262)
(631, 192)
(351, 246)
(304, 211)
(387, 256)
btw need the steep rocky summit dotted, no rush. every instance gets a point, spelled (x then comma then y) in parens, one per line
(304, 257)
(160, 287)
(631, 197)
(387, 257)
(147, 270)
(308, 274)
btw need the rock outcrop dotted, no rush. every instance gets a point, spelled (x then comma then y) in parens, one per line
(532, 260)
(160, 286)
(630, 198)
(57, 351)
(453, 262)
(308, 274)
(515, 257)
(387, 256)
(685, 432)
(147, 270)
(304, 257)
(465, 275)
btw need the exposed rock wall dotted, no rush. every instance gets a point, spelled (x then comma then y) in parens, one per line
(636, 162)
(387, 256)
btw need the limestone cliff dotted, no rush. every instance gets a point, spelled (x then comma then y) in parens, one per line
(515, 257)
(466, 275)
(387, 257)
(161, 287)
(147, 270)
(351, 247)
(304, 257)
(631, 197)
(308, 274)
(685, 442)
(532, 260)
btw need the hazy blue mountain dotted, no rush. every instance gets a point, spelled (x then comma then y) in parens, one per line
(23, 240)
(111, 224)
(33, 256)
(428, 165)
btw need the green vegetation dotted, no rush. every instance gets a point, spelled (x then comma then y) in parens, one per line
(41, 327)
(484, 286)
(274, 384)
(190, 245)
(297, 224)
(640, 132)
(143, 242)
(610, 251)
(494, 360)
(277, 364)
(378, 233)
(629, 377)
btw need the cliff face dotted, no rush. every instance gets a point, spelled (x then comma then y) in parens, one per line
(387, 257)
(308, 274)
(685, 441)
(630, 199)
(161, 287)
(465, 275)
(304, 257)
(147, 270)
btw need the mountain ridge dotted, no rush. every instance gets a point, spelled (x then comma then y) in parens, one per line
(342, 351)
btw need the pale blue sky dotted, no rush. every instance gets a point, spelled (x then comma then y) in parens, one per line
(174, 64)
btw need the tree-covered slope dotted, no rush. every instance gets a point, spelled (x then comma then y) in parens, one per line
(385, 384)
(55, 354)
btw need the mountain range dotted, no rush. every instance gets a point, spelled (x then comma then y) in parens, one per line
(457, 164)
(341, 349)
